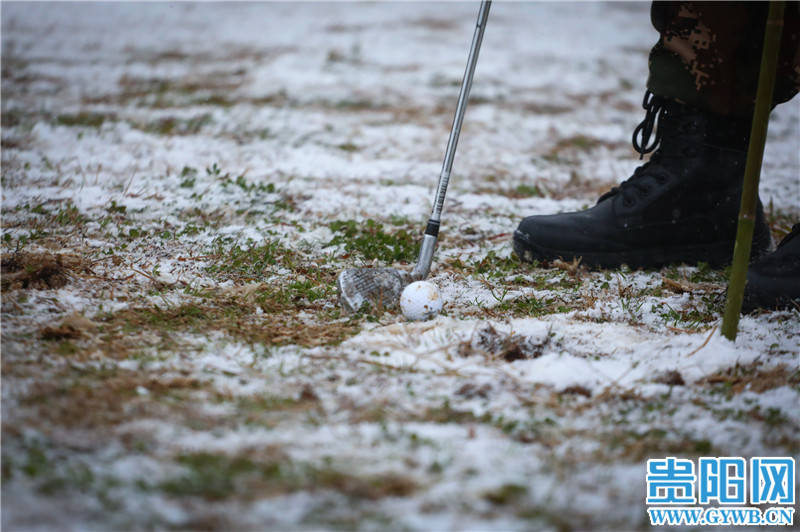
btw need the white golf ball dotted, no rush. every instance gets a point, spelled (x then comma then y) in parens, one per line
(420, 301)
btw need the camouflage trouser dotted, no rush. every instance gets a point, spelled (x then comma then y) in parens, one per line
(709, 54)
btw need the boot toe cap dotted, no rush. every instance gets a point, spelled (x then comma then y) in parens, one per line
(568, 232)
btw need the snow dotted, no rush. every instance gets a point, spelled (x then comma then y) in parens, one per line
(344, 109)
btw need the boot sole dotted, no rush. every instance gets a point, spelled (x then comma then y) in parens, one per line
(716, 254)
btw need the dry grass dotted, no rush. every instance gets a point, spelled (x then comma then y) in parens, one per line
(40, 270)
(83, 399)
(754, 378)
(254, 314)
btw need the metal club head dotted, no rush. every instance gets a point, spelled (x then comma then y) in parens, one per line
(379, 287)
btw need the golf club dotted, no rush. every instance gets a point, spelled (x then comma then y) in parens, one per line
(383, 286)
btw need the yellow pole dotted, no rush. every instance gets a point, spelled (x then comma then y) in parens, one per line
(752, 171)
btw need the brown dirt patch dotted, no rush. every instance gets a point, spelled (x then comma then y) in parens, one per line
(501, 346)
(39, 271)
(73, 326)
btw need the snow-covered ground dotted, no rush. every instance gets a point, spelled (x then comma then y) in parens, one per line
(181, 184)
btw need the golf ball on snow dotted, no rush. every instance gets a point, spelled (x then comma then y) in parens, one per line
(420, 301)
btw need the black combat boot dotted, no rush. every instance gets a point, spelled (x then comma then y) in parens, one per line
(773, 282)
(680, 206)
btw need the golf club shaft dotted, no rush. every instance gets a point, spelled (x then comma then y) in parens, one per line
(432, 230)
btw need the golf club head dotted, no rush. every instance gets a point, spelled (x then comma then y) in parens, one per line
(379, 287)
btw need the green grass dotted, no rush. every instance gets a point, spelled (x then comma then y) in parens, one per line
(82, 119)
(506, 494)
(51, 474)
(217, 477)
(249, 261)
(176, 126)
(369, 240)
(699, 313)
(701, 273)
(214, 476)
(188, 177)
(636, 446)
(529, 191)
(12, 118)
(36, 462)
(348, 146)
(116, 209)
(69, 215)
(494, 266)
(67, 348)
(215, 100)
(241, 182)
(532, 306)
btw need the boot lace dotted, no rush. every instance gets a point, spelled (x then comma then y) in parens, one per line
(654, 111)
(636, 186)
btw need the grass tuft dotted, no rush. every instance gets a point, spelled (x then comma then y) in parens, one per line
(371, 241)
(82, 119)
